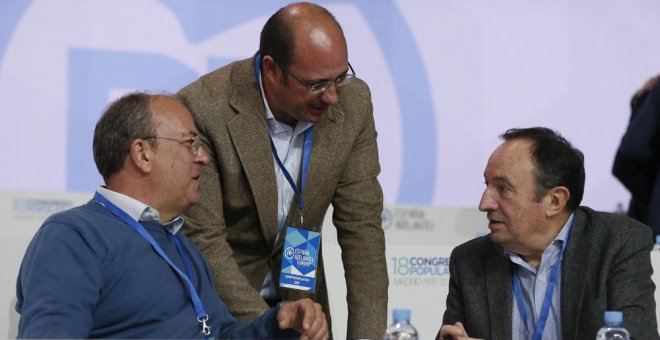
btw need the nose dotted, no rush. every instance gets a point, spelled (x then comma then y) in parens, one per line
(202, 157)
(330, 96)
(487, 202)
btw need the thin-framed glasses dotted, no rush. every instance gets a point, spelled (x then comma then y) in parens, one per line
(322, 86)
(193, 142)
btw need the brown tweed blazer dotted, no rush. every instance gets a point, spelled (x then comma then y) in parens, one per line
(235, 224)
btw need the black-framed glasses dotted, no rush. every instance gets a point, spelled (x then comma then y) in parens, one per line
(193, 142)
(322, 86)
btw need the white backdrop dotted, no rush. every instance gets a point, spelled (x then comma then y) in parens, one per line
(447, 78)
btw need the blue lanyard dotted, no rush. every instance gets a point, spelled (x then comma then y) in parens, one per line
(547, 300)
(202, 317)
(307, 151)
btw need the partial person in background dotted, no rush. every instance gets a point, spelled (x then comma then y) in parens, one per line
(549, 266)
(637, 161)
(293, 119)
(117, 267)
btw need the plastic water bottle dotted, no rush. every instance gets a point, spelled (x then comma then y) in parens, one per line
(401, 329)
(613, 328)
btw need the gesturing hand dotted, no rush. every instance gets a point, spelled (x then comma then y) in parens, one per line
(306, 317)
(454, 332)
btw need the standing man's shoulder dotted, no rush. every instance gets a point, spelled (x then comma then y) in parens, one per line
(355, 109)
(217, 84)
(358, 87)
(209, 97)
(357, 92)
(230, 72)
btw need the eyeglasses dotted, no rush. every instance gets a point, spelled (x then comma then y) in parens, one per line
(193, 142)
(322, 86)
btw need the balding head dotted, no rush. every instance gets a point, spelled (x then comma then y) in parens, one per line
(302, 42)
(294, 29)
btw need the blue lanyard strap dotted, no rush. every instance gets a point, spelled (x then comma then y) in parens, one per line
(257, 67)
(202, 317)
(547, 300)
(307, 151)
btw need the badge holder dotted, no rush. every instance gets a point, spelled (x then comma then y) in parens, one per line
(301, 245)
(300, 258)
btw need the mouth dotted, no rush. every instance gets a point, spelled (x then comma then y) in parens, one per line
(493, 222)
(196, 177)
(319, 110)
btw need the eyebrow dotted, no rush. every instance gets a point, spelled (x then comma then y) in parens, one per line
(187, 134)
(501, 179)
(323, 80)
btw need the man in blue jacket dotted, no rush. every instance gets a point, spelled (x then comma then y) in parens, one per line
(117, 267)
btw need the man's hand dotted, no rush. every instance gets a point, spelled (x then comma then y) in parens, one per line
(454, 332)
(306, 317)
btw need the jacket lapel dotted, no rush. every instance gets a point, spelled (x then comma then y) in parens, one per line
(322, 158)
(573, 279)
(498, 287)
(249, 133)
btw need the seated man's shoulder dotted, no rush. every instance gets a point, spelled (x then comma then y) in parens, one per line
(91, 214)
(480, 246)
(615, 225)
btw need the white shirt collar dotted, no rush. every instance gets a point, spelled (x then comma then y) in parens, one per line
(138, 210)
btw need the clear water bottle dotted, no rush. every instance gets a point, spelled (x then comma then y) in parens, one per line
(401, 329)
(613, 328)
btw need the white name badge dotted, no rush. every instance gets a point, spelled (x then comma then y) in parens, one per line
(300, 259)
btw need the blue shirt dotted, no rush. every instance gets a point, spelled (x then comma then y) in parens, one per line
(533, 284)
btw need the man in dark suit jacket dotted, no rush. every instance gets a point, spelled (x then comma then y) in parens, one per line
(501, 282)
(637, 161)
(300, 78)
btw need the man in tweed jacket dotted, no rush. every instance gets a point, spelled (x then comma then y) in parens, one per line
(299, 79)
(534, 185)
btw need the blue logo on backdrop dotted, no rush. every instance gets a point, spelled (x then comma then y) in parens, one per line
(93, 72)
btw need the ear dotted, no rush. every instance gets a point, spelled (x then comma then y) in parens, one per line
(142, 155)
(269, 67)
(556, 199)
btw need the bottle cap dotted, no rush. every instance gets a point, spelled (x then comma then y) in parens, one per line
(613, 316)
(401, 314)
